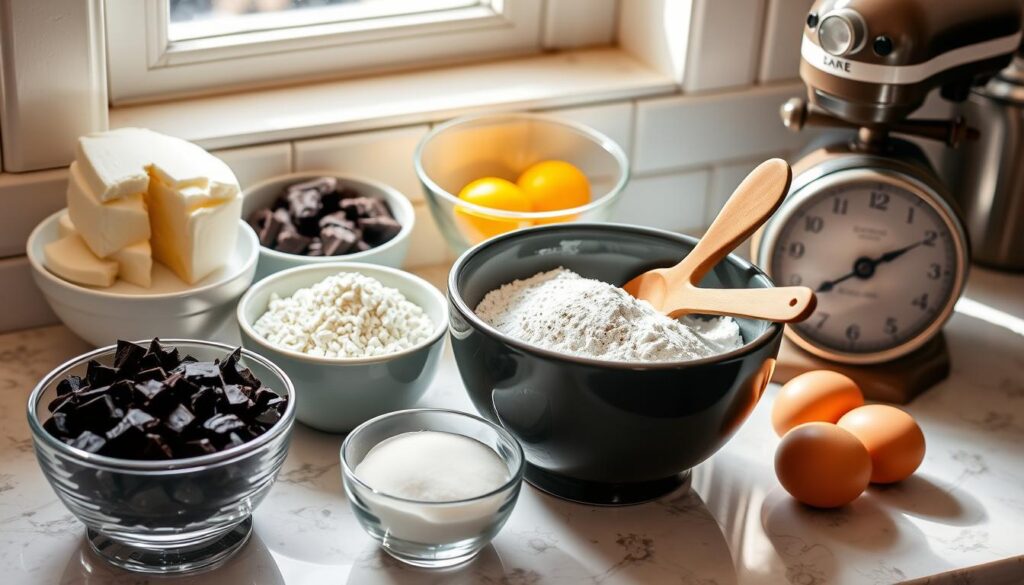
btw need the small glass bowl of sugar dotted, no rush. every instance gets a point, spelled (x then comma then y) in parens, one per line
(433, 487)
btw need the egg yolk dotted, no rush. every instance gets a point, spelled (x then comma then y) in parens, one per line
(553, 185)
(494, 193)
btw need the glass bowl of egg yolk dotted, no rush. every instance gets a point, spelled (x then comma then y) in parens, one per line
(494, 173)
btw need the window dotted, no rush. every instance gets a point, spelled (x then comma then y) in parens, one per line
(157, 49)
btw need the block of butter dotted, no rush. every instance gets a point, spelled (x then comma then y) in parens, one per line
(136, 196)
(106, 226)
(134, 262)
(71, 259)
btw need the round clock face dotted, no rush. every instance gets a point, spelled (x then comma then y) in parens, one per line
(885, 262)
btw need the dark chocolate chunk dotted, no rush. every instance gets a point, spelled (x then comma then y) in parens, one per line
(127, 357)
(179, 420)
(157, 373)
(266, 226)
(64, 403)
(96, 374)
(59, 425)
(378, 230)
(69, 385)
(156, 397)
(222, 424)
(88, 441)
(304, 207)
(155, 447)
(150, 361)
(362, 207)
(262, 397)
(362, 246)
(197, 448)
(322, 185)
(204, 403)
(97, 415)
(268, 417)
(237, 399)
(234, 440)
(315, 248)
(292, 242)
(338, 219)
(337, 240)
(203, 373)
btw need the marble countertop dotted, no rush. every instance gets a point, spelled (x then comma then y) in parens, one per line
(958, 520)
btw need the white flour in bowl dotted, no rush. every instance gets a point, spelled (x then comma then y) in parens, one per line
(564, 312)
(343, 316)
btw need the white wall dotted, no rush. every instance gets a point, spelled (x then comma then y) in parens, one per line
(687, 150)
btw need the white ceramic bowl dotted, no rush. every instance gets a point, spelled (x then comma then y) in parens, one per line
(391, 253)
(338, 394)
(169, 308)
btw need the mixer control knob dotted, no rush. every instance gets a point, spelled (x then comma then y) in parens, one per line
(842, 32)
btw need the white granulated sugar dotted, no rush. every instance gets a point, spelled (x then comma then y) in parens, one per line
(564, 312)
(345, 315)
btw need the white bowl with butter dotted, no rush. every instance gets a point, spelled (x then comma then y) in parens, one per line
(167, 308)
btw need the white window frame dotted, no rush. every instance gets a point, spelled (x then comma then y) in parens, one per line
(144, 65)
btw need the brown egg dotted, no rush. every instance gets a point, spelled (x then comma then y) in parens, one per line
(822, 465)
(892, 437)
(816, 396)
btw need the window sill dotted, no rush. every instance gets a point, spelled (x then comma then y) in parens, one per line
(545, 81)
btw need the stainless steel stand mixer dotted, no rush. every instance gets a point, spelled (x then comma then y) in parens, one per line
(868, 224)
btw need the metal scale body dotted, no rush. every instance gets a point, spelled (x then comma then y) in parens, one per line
(868, 223)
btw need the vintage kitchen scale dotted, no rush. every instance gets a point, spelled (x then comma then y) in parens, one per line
(868, 224)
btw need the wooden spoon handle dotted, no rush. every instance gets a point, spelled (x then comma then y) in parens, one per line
(788, 304)
(750, 205)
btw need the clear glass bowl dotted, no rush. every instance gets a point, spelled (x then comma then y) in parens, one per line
(431, 534)
(164, 516)
(504, 145)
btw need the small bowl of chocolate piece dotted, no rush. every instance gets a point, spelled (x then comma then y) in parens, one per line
(163, 449)
(313, 217)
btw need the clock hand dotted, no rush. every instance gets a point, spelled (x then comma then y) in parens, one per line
(864, 267)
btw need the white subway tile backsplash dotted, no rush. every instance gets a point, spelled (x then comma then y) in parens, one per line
(613, 120)
(672, 202)
(783, 33)
(726, 177)
(24, 306)
(27, 198)
(427, 245)
(257, 163)
(386, 156)
(692, 131)
(725, 39)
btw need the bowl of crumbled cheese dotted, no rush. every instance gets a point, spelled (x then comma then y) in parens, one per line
(357, 340)
(612, 401)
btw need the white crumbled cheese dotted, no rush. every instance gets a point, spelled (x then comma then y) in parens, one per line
(344, 315)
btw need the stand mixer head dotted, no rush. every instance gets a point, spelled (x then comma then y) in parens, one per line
(871, 63)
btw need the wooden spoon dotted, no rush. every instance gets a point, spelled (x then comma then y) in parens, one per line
(674, 291)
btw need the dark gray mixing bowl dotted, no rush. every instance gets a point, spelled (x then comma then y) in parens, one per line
(599, 431)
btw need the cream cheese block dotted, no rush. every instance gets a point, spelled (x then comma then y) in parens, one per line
(192, 232)
(117, 164)
(189, 198)
(134, 262)
(106, 227)
(71, 259)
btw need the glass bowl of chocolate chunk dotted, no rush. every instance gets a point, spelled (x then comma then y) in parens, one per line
(312, 217)
(163, 449)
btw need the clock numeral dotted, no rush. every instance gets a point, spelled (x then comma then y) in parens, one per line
(796, 250)
(795, 279)
(921, 302)
(853, 332)
(879, 200)
(890, 326)
(813, 224)
(934, 271)
(910, 215)
(839, 206)
(822, 317)
(929, 237)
